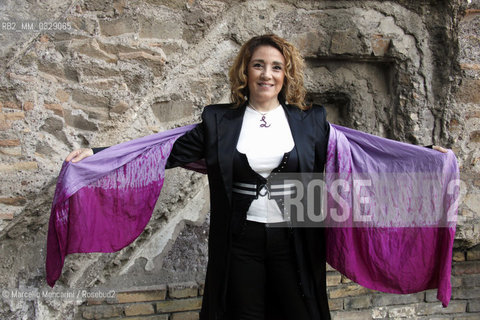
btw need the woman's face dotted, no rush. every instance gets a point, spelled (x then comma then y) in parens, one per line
(266, 72)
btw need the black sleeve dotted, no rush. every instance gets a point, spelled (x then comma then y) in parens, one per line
(188, 148)
(96, 150)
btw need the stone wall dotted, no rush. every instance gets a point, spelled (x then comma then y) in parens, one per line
(407, 70)
(347, 300)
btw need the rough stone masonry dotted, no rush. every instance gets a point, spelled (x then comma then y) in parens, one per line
(406, 70)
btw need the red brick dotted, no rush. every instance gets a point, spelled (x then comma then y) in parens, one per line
(469, 91)
(470, 66)
(6, 216)
(11, 105)
(9, 143)
(380, 44)
(470, 12)
(472, 114)
(28, 105)
(56, 108)
(13, 201)
(13, 116)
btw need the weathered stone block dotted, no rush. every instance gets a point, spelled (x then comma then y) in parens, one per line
(78, 121)
(21, 77)
(351, 315)
(11, 151)
(142, 294)
(347, 291)
(362, 302)
(333, 279)
(469, 280)
(345, 279)
(335, 304)
(18, 166)
(91, 48)
(185, 316)
(101, 312)
(62, 95)
(117, 27)
(58, 70)
(458, 256)
(425, 309)
(139, 309)
(87, 99)
(474, 253)
(465, 293)
(183, 290)
(172, 110)
(179, 305)
(154, 317)
(385, 299)
(312, 44)
(401, 312)
(168, 28)
(467, 267)
(120, 107)
(346, 42)
(154, 62)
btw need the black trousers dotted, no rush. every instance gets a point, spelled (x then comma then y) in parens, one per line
(263, 281)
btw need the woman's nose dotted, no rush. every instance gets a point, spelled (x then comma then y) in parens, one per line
(266, 73)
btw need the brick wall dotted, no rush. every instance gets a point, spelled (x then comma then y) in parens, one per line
(347, 300)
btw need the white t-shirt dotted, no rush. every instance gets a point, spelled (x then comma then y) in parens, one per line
(265, 148)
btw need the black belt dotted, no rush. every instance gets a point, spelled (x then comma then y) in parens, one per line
(263, 189)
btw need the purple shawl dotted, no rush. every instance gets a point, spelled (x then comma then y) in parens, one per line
(104, 202)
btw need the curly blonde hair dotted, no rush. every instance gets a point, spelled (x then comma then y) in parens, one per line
(293, 90)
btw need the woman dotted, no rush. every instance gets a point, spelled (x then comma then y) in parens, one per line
(257, 270)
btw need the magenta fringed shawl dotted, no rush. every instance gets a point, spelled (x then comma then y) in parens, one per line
(104, 202)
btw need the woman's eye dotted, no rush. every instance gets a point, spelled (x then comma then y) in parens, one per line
(257, 65)
(277, 67)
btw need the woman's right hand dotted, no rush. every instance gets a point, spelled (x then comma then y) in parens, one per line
(79, 154)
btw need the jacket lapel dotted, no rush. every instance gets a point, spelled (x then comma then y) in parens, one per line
(229, 125)
(303, 135)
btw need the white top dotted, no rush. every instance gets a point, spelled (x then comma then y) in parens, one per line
(264, 148)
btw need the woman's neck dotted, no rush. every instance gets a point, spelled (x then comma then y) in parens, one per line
(264, 106)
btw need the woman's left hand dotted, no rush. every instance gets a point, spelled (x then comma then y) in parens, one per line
(441, 149)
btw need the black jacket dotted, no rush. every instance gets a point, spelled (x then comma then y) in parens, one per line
(215, 140)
